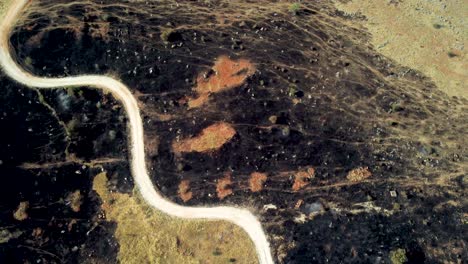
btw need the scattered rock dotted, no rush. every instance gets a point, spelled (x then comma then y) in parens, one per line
(267, 207)
(310, 208)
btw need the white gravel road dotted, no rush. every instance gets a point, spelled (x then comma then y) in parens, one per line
(241, 217)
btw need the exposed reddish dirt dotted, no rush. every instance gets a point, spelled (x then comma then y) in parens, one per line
(257, 180)
(223, 187)
(184, 191)
(224, 75)
(359, 174)
(210, 139)
(301, 178)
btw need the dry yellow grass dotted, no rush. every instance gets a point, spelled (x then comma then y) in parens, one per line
(75, 199)
(3, 6)
(148, 236)
(429, 36)
(21, 213)
(359, 174)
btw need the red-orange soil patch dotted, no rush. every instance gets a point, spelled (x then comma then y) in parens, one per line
(301, 178)
(210, 139)
(359, 174)
(184, 191)
(256, 181)
(223, 188)
(224, 75)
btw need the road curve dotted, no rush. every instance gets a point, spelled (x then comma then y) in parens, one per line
(241, 217)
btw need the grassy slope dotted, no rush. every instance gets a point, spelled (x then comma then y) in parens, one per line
(148, 236)
(429, 36)
(3, 6)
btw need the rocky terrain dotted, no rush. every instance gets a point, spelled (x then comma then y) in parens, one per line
(283, 108)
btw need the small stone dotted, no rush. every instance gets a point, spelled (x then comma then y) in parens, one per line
(393, 193)
(310, 208)
(267, 207)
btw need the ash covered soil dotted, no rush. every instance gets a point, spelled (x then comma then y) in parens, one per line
(52, 145)
(285, 109)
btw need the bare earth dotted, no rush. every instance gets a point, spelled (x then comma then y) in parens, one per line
(429, 36)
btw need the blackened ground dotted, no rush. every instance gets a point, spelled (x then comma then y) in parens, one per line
(26, 127)
(367, 237)
(95, 123)
(44, 161)
(338, 104)
(53, 232)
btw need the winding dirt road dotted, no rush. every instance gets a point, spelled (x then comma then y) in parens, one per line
(240, 217)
